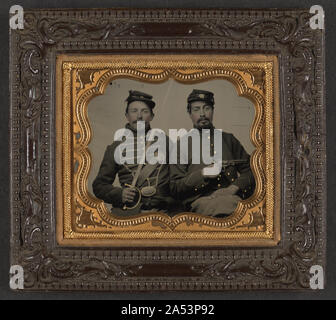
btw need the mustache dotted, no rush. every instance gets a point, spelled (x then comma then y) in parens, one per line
(202, 119)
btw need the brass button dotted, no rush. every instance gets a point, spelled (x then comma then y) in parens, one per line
(232, 179)
(195, 189)
(228, 173)
(219, 185)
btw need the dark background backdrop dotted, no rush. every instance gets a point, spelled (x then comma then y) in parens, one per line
(330, 11)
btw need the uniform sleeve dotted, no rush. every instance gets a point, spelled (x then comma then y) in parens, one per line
(103, 184)
(184, 184)
(245, 181)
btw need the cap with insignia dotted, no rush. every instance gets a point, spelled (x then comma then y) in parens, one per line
(201, 95)
(140, 96)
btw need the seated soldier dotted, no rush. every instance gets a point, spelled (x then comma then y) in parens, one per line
(217, 194)
(151, 180)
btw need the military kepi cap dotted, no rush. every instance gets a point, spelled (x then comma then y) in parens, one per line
(140, 96)
(201, 95)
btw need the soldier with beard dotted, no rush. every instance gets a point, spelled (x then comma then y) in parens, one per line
(215, 195)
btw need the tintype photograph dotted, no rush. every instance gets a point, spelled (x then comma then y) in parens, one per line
(167, 187)
(175, 145)
(165, 150)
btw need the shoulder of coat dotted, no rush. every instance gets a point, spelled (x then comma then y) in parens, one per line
(227, 135)
(114, 144)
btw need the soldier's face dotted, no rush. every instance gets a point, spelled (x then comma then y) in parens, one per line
(138, 111)
(201, 114)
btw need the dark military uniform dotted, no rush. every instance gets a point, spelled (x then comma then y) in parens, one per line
(158, 176)
(188, 184)
(103, 188)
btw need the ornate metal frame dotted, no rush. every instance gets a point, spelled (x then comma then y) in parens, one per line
(284, 34)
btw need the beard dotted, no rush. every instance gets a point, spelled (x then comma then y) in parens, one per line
(204, 123)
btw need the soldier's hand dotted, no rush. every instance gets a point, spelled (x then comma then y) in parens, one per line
(222, 205)
(230, 190)
(128, 195)
(199, 204)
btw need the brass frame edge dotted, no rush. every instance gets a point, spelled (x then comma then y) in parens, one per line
(72, 241)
